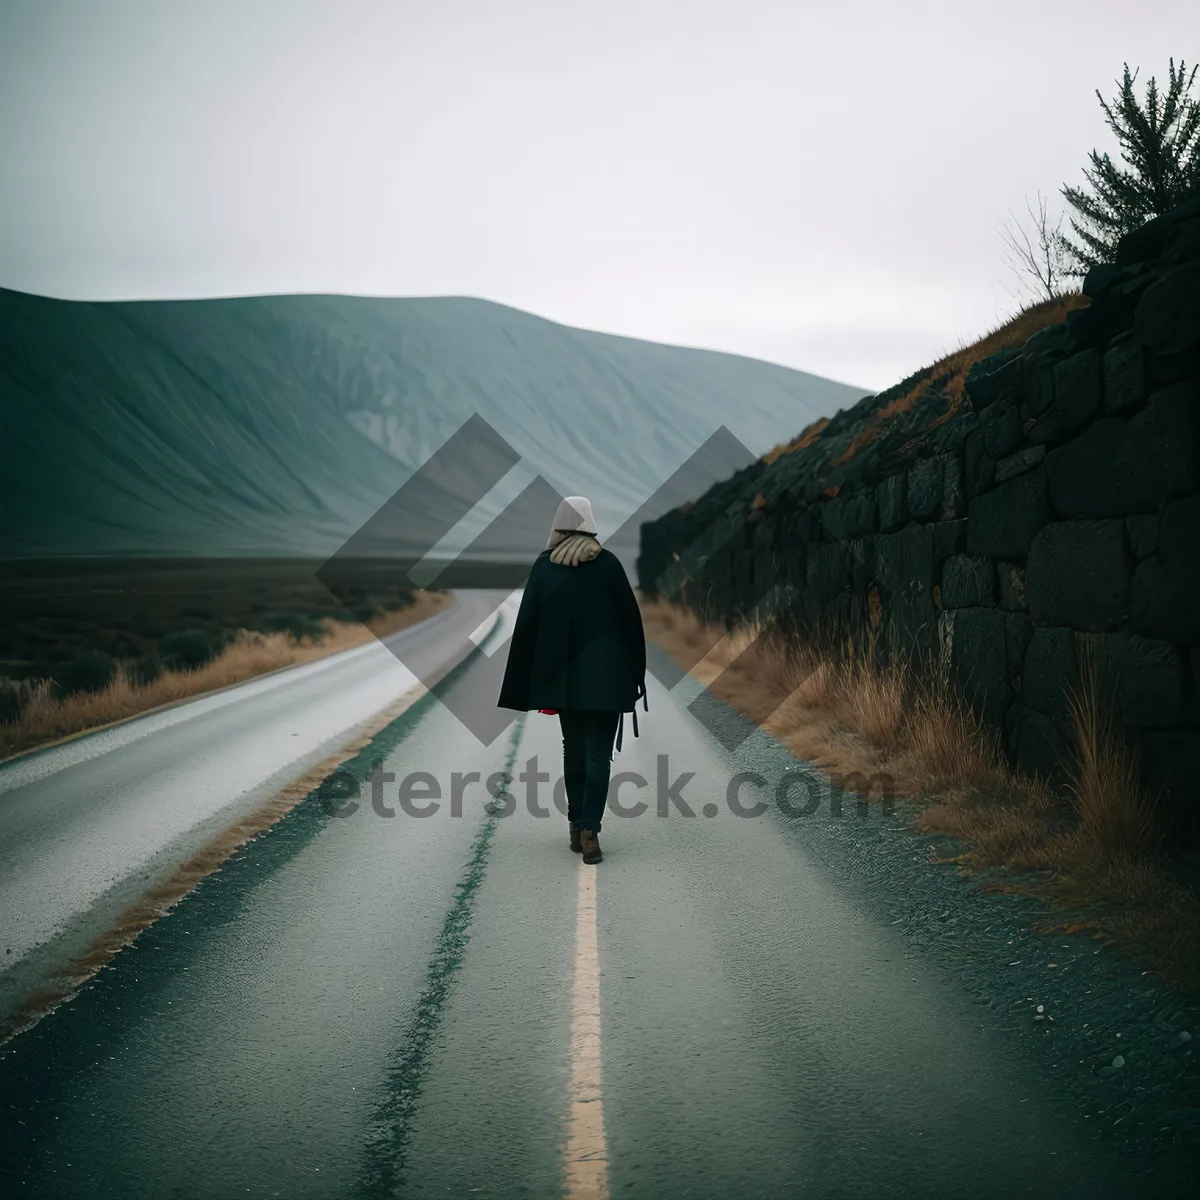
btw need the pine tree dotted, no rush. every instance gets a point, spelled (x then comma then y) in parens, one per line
(1160, 153)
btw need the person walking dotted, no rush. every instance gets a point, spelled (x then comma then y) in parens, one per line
(578, 649)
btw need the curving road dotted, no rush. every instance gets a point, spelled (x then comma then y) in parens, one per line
(88, 826)
(370, 1002)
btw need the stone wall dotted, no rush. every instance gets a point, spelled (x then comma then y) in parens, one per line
(1048, 517)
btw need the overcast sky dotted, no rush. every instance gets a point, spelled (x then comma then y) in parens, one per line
(818, 184)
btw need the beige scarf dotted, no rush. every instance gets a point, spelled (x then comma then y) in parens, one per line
(571, 549)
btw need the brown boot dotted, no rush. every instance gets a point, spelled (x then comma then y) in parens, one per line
(575, 845)
(590, 844)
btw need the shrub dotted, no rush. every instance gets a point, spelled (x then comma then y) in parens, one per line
(307, 628)
(144, 669)
(91, 671)
(300, 627)
(14, 693)
(188, 649)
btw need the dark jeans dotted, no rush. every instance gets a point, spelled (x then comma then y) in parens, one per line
(587, 759)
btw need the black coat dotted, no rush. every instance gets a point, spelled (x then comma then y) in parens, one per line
(578, 641)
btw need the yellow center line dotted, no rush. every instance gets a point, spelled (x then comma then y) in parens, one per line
(586, 1166)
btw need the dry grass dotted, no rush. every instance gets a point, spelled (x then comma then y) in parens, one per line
(1092, 849)
(806, 437)
(948, 374)
(1115, 817)
(46, 719)
(839, 707)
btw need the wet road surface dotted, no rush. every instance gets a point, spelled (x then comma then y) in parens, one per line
(362, 1005)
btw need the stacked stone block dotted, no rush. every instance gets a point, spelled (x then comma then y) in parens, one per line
(1048, 522)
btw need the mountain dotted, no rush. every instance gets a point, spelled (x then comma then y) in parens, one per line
(279, 424)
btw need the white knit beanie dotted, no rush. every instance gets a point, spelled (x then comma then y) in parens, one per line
(574, 515)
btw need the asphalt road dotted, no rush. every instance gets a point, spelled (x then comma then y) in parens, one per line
(87, 826)
(365, 1002)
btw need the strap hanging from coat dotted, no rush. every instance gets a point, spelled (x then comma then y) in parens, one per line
(633, 713)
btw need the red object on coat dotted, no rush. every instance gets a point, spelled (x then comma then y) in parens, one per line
(550, 712)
